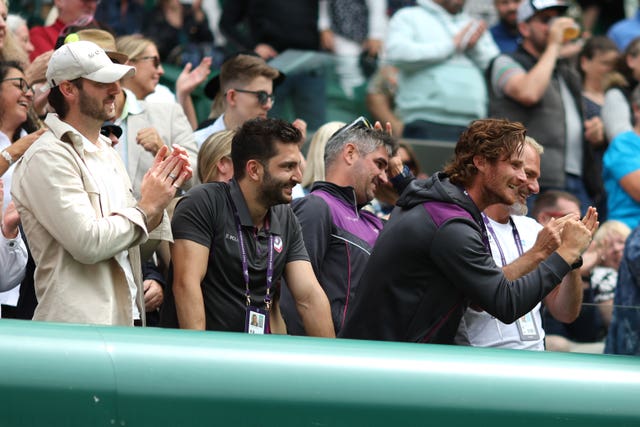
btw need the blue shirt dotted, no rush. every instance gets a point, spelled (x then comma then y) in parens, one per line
(623, 337)
(624, 31)
(621, 158)
(505, 38)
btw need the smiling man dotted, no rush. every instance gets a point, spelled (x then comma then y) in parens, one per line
(75, 199)
(233, 241)
(522, 242)
(338, 233)
(433, 258)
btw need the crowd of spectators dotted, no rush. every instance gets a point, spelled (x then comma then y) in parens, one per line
(443, 70)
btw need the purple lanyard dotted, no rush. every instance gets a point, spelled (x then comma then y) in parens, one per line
(516, 238)
(245, 265)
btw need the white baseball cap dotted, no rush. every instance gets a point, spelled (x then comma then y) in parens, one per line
(528, 8)
(84, 59)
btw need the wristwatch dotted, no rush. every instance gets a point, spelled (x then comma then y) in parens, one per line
(5, 154)
(577, 264)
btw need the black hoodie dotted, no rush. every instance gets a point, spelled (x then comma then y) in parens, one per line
(430, 261)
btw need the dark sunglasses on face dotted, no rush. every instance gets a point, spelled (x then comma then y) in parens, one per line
(359, 123)
(22, 84)
(263, 97)
(155, 59)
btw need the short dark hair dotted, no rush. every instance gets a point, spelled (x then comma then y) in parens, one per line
(549, 200)
(58, 102)
(493, 139)
(256, 139)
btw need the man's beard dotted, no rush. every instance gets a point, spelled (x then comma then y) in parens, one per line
(93, 107)
(272, 190)
(518, 209)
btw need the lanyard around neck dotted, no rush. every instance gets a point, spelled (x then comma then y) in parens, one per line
(516, 237)
(245, 264)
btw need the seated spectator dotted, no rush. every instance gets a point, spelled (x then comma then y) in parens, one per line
(249, 213)
(18, 130)
(70, 12)
(617, 114)
(623, 337)
(214, 158)
(621, 171)
(18, 26)
(180, 31)
(599, 275)
(596, 60)
(314, 169)
(246, 83)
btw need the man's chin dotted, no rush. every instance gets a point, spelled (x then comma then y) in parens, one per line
(518, 208)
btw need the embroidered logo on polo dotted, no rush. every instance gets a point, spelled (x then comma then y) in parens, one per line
(277, 244)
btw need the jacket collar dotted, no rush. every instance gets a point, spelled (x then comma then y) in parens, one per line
(67, 133)
(346, 194)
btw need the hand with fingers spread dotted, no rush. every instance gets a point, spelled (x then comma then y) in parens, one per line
(168, 173)
(190, 78)
(150, 140)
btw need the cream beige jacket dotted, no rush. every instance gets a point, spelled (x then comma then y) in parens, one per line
(74, 233)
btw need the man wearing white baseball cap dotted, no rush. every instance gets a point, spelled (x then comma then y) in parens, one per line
(538, 86)
(74, 196)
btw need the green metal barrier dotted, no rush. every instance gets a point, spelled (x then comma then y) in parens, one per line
(71, 375)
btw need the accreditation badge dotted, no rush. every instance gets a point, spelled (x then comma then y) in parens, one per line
(257, 321)
(527, 328)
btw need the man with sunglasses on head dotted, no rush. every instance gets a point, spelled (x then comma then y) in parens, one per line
(235, 240)
(338, 233)
(245, 85)
(74, 196)
(433, 259)
(537, 87)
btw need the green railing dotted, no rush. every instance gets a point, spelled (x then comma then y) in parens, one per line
(73, 375)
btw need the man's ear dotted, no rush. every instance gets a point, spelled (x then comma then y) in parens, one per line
(480, 162)
(68, 89)
(350, 153)
(254, 170)
(230, 97)
(523, 29)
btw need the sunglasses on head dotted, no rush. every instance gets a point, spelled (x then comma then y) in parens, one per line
(359, 123)
(263, 97)
(155, 59)
(22, 84)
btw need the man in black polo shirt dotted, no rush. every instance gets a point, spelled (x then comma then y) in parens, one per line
(233, 241)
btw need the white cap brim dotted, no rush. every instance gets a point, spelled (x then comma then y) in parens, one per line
(110, 74)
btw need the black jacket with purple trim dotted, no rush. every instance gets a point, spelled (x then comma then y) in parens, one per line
(339, 236)
(429, 262)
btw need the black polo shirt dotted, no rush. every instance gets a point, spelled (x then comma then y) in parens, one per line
(206, 216)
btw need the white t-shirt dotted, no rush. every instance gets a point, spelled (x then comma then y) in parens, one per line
(480, 329)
